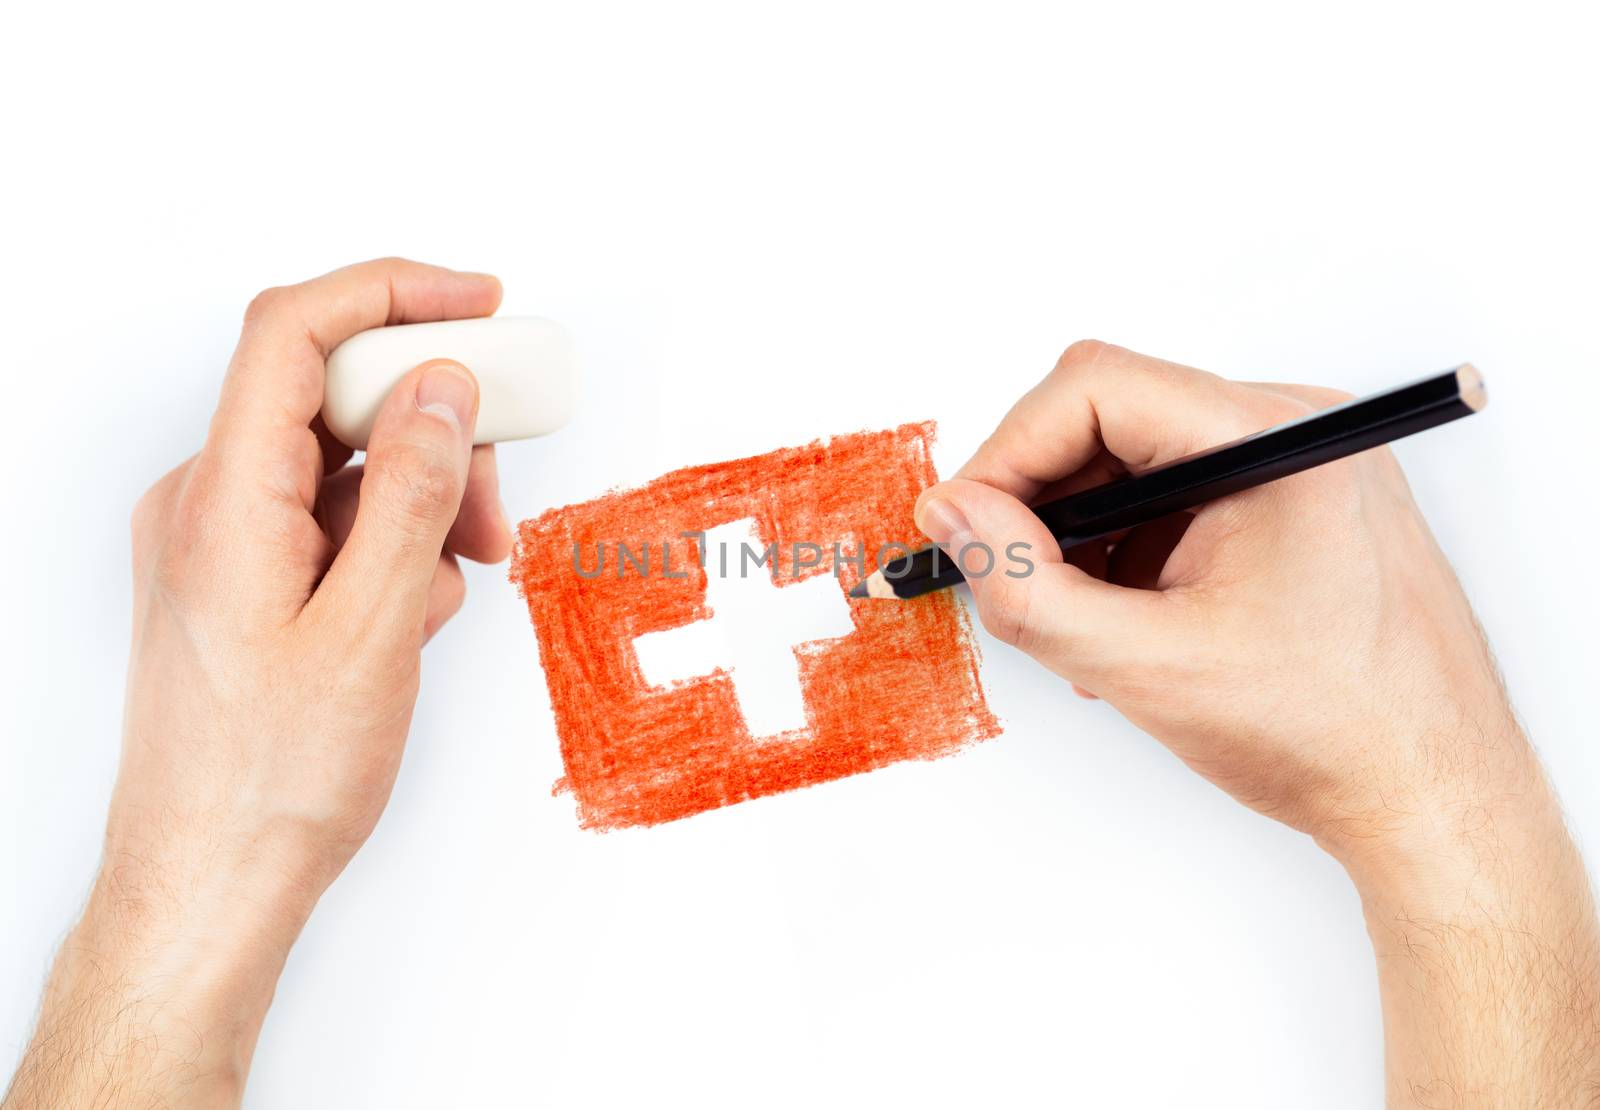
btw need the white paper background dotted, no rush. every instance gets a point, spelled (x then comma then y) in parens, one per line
(910, 210)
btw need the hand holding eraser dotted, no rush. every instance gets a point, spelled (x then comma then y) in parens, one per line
(527, 376)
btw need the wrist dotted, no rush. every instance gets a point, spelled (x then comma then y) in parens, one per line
(1440, 804)
(214, 872)
(1484, 846)
(178, 952)
(160, 990)
(220, 912)
(157, 996)
(1483, 926)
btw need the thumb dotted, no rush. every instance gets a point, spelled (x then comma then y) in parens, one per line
(411, 487)
(1027, 596)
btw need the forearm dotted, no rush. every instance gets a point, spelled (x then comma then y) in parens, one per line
(158, 994)
(1483, 925)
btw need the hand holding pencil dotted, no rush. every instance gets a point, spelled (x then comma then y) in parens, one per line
(1134, 500)
(1304, 645)
(1302, 615)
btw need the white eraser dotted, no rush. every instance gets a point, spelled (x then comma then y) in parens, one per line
(527, 376)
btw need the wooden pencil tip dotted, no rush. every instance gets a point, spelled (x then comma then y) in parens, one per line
(1474, 394)
(875, 585)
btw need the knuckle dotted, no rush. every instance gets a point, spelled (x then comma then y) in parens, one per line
(162, 522)
(146, 512)
(196, 501)
(266, 305)
(452, 591)
(185, 555)
(1277, 408)
(380, 269)
(1005, 611)
(178, 567)
(173, 570)
(420, 483)
(1316, 396)
(1080, 355)
(142, 531)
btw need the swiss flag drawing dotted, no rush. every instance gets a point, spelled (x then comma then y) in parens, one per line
(649, 734)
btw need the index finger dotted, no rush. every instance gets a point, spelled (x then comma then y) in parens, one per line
(274, 385)
(1144, 411)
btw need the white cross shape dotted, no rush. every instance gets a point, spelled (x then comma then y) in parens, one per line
(755, 625)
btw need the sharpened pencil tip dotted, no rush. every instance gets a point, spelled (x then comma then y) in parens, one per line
(1474, 394)
(876, 586)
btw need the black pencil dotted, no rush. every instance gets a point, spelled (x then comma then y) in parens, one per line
(1192, 481)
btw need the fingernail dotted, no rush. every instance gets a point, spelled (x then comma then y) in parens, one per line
(943, 523)
(448, 392)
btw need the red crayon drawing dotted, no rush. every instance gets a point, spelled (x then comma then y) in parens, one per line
(875, 682)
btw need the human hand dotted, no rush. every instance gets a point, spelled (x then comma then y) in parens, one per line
(282, 598)
(281, 603)
(1305, 646)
